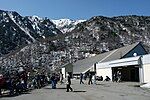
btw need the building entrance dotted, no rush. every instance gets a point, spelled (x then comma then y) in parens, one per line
(129, 73)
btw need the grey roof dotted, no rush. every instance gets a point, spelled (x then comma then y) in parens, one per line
(83, 65)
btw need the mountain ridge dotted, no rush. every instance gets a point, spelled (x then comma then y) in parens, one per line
(96, 35)
(66, 25)
(16, 30)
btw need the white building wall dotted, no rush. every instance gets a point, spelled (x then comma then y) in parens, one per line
(63, 70)
(146, 68)
(104, 72)
(105, 69)
(146, 59)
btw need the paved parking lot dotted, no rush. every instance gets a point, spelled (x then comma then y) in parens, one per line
(101, 91)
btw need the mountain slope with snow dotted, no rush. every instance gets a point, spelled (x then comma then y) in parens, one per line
(17, 31)
(97, 35)
(66, 25)
(108, 33)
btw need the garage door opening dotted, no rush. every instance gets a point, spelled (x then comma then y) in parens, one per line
(129, 73)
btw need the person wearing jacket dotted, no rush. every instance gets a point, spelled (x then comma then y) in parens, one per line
(68, 83)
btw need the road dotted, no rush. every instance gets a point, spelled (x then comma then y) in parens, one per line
(101, 91)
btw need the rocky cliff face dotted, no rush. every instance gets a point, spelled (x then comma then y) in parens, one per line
(17, 31)
(109, 33)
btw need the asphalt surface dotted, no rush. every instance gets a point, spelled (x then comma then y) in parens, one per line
(101, 91)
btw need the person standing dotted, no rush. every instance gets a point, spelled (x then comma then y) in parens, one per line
(90, 79)
(38, 80)
(53, 81)
(68, 83)
(94, 79)
(2, 82)
(114, 77)
(84, 76)
(61, 78)
(118, 76)
(81, 78)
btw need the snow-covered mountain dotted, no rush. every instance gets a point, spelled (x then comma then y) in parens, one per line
(17, 31)
(66, 25)
(97, 35)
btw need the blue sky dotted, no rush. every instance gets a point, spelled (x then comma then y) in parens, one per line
(77, 9)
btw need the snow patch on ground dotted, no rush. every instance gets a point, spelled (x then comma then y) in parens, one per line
(145, 85)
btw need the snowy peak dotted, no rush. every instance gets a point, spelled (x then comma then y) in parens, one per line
(66, 25)
(42, 26)
(17, 31)
(63, 22)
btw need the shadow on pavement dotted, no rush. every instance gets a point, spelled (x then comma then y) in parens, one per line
(63, 88)
(56, 88)
(79, 91)
(7, 95)
(100, 84)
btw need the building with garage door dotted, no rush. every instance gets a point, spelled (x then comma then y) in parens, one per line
(134, 69)
(131, 61)
(99, 63)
